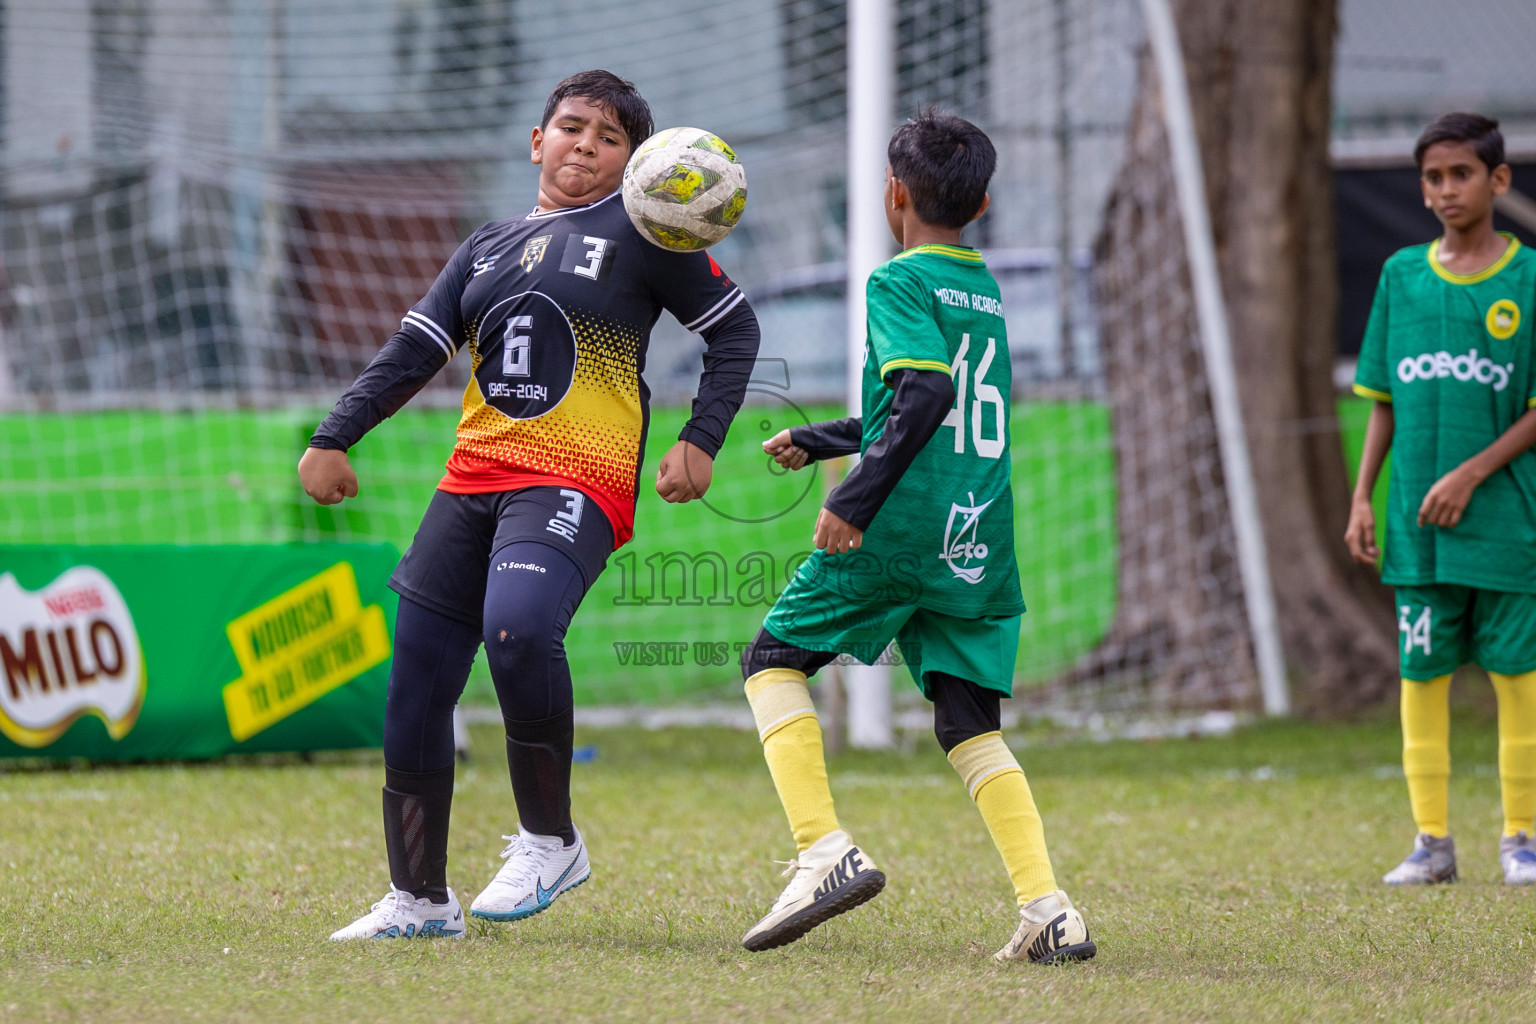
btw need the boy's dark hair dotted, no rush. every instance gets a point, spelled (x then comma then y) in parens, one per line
(607, 90)
(945, 162)
(1482, 132)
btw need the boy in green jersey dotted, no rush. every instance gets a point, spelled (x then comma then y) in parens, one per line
(1447, 356)
(916, 546)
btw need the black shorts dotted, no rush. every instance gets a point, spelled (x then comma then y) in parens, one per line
(445, 567)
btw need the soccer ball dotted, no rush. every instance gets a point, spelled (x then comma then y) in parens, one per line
(684, 189)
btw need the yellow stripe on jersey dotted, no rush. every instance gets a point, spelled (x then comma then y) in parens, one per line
(915, 364)
(1482, 275)
(1365, 392)
(958, 252)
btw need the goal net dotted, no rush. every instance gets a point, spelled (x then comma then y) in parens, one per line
(215, 211)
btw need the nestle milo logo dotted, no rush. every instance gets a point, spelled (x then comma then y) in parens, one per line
(67, 650)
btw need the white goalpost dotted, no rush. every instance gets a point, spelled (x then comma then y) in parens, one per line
(871, 118)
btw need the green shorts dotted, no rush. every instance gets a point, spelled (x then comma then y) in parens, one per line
(1443, 625)
(816, 617)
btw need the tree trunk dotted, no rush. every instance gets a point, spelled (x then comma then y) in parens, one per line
(1260, 82)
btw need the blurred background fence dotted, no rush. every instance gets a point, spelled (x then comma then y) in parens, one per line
(213, 212)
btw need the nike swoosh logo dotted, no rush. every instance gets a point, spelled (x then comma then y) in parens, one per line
(543, 895)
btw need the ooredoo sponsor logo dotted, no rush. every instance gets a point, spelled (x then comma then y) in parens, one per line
(1468, 367)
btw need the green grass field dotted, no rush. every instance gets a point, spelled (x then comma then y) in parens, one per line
(1224, 879)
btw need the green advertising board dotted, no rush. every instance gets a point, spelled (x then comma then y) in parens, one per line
(154, 652)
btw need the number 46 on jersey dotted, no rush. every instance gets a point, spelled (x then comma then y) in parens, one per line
(984, 394)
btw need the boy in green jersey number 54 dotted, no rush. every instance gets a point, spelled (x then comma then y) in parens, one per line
(1448, 358)
(915, 546)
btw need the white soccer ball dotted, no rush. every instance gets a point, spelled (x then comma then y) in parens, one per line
(684, 189)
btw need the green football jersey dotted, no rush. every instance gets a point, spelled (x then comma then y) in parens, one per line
(1452, 353)
(946, 531)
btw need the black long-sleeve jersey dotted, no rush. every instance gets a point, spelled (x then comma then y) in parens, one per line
(923, 398)
(557, 309)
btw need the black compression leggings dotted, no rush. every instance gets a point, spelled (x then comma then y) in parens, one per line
(532, 590)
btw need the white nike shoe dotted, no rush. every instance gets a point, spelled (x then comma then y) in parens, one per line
(1051, 931)
(830, 878)
(1517, 856)
(401, 916)
(537, 869)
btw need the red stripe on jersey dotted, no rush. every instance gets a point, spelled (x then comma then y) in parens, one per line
(469, 475)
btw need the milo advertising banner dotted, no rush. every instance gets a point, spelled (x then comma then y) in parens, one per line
(144, 653)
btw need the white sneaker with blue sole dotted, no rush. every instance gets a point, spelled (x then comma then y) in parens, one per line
(1517, 856)
(1432, 862)
(537, 869)
(400, 915)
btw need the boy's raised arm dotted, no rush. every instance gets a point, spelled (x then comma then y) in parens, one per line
(399, 370)
(829, 439)
(793, 447)
(730, 352)
(430, 333)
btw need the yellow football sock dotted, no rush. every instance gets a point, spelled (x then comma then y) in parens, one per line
(997, 784)
(1427, 752)
(1517, 749)
(791, 735)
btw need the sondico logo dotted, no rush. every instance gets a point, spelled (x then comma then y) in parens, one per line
(1466, 367)
(1503, 319)
(67, 650)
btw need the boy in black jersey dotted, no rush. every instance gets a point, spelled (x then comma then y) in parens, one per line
(556, 308)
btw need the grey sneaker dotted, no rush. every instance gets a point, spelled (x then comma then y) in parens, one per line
(1433, 860)
(1517, 856)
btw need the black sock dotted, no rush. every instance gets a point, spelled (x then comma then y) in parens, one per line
(416, 807)
(539, 760)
